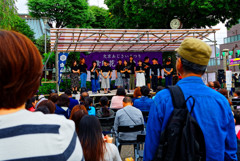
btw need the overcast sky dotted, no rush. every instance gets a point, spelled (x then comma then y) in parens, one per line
(22, 8)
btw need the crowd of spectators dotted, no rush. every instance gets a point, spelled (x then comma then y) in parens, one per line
(60, 127)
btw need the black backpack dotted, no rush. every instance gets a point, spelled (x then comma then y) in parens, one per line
(182, 139)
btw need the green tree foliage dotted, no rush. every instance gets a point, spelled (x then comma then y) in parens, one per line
(20, 25)
(72, 13)
(100, 17)
(7, 14)
(71, 57)
(40, 43)
(159, 13)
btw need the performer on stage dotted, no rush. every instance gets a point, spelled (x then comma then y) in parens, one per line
(132, 74)
(74, 77)
(140, 75)
(160, 77)
(83, 72)
(168, 69)
(147, 66)
(155, 74)
(125, 75)
(110, 76)
(94, 75)
(105, 72)
(118, 81)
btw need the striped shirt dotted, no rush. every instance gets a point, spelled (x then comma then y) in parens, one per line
(26, 136)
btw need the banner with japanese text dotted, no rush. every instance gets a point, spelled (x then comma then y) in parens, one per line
(62, 59)
(113, 57)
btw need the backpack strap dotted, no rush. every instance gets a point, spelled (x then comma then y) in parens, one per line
(177, 95)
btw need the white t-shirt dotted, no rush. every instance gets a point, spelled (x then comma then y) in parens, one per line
(111, 153)
(26, 135)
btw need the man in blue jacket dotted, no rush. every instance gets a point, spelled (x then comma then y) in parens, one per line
(212, 110)
(144, 103)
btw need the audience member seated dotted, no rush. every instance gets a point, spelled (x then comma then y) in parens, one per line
(53, 97)
(30, 105)
(94, 147)
(77, 116)
(49, 104)
(216, 85)
(62, 106)
(73, 102)
(104, 110)
(88, 105)
(236, 94)
(127, 116)
(42, 108)
(29, 135)
(40, 99)
(225, 93)
(144, 103)
(82, 97)
(137, 94)
(116, 102)
(159, 88)
(210, 84)
(77, 108)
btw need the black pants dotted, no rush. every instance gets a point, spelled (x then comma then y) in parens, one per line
(154, 82)
(160, 82)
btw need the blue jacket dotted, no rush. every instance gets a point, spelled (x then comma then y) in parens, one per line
(211, 111)
(61, 111)
(92, 111)
(144, 103)
(73, 102)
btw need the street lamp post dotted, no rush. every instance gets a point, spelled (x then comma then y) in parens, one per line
(45, 20)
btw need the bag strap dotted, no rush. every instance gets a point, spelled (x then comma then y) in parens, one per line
(129, 116)
(177, 95)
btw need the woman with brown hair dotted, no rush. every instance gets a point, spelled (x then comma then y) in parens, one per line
(77, 117)
(94, 147)
(77, 108)
(83, 72)
(20, 73)
(49, 104)
(137, 94)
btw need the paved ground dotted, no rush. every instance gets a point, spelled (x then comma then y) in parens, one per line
(127, 151)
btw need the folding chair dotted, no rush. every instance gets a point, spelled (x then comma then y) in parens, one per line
(107, 125)
(140, 146)
(128, 129)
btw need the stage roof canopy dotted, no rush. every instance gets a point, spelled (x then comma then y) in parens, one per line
(123, 40)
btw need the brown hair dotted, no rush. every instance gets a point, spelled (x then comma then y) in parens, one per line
(77, 108)
(216, 84)
(137, 92)
(77, 116)
(63, 100)
(20, 69)
(53, 97)
(225, 93)
(49, 104)
(90, 136)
